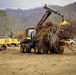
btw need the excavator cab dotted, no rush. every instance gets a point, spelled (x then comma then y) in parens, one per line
(27, 41)
(29, 33)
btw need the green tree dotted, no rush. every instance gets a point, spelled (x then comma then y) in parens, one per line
(3, 22)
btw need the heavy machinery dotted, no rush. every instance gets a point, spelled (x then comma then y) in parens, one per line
(28, 41)
(14, 40)
(2, 44)
(10, 41)
(32, 41)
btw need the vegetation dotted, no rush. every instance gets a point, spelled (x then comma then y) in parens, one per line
(17, 20)
(3, 22)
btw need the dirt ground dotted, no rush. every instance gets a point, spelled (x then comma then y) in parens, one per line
(13, 62)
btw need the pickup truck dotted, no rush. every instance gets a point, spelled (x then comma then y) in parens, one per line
(71, 41)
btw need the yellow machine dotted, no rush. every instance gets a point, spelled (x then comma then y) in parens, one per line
(62, 24)
(10, 41)
(27, 40)
(33, 42)
(14, 42)
(2, 44)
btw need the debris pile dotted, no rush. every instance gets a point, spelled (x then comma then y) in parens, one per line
(49, 34)
(43, 36)
(69, 30)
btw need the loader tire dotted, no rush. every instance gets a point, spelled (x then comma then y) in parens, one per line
(37, 50)
(28, 48)
(45, 49)
(52, 50)
(22, 49)
(61, 50)
(4, 47)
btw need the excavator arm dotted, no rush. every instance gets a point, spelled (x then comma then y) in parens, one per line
(43, 19)
(47, 14)
(54, 11)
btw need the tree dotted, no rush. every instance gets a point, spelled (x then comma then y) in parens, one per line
(3, 22)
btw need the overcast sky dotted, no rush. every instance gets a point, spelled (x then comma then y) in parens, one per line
(26, 4)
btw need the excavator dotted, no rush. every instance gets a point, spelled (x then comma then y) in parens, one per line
(30, 40)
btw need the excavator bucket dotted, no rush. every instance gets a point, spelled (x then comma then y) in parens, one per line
(64, 23)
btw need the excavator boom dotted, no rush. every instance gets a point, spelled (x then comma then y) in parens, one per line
(47, 14)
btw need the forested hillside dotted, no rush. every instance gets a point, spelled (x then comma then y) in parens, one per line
(24, 18)
(3, 23)
(20, 19)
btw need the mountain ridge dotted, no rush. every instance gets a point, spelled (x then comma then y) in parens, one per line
(20, 19)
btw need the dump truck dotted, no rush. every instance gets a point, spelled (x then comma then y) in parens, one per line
(44, 38)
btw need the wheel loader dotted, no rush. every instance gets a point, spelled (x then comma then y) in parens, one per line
(52, 42)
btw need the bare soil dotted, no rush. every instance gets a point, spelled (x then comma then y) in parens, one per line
(13, 62)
